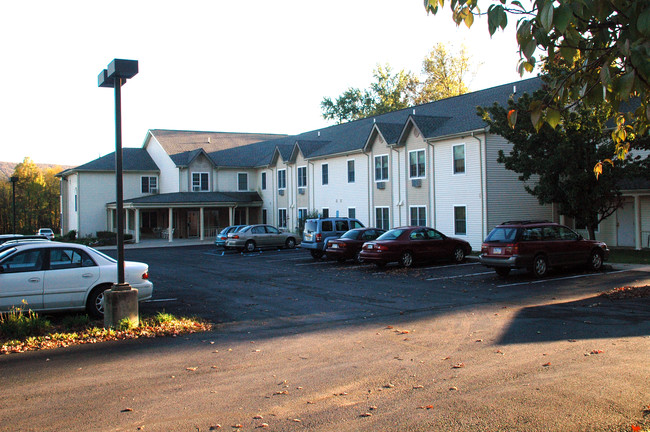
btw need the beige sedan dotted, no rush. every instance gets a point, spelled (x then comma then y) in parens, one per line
(260, 236)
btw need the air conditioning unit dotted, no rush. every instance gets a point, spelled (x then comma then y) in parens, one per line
(281, 192)
(416, 183)
(381, 185)
(301, 191)
(153, 190)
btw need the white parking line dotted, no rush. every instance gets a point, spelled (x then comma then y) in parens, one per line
(561, 278)
(450, 265)
(159, 300)
(314, 262)
(458, 276)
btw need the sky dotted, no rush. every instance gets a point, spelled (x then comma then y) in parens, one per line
(227, 66)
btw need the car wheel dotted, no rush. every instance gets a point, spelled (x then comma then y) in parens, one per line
(380, 265)
(502, 271)
(316, 254)
(290, 243)
(95, 303)
(459, 255)
(406, 260)
(250, 246)
(540, 266)
(357, 258)
(596, 260)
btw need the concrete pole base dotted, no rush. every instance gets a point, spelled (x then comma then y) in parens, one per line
(121, 302)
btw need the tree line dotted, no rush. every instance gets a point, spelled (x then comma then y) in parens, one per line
(37, 199)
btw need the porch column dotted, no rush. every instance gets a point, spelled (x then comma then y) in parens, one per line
(201, 228)
(126, 221)
(136, 234)
(110, 220)
(637, 222)
(231, 210)
(247, 216)
(170, 233)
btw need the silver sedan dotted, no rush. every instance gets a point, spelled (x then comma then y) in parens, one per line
(260, 236)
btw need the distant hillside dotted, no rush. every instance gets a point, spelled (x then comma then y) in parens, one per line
(7, 168)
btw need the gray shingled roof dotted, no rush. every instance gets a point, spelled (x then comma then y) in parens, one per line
(197, 198)
(133, 159)
(435, 120)
(177, 141)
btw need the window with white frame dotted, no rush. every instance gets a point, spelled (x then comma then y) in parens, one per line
(282, 179)
(417, 164)
(264, 216)
(263, 182)
(149, 184)
(352, 212)
(200, 182)
(282, 217)
(326, 212)
(459, 159)
(382, 218)
(325, 173)
(242, 181)
(302, 214)
(460, 220)
(381, 168)
(418, 216)
(302, 176)
(351, 171)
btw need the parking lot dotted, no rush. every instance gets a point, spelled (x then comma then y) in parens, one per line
(304, 345)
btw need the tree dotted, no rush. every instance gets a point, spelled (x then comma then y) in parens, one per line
(443, 76)
(561, 159)
(603, 44)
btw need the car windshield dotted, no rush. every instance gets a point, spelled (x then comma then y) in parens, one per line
(352, 235)
(310, 226)
(245, 229)
(391, 235)
(224, 231)
(239, 228)
(502, 235)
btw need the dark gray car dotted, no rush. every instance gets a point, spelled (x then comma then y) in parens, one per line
(318, 231)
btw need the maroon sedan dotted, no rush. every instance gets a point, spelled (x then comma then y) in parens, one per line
(407, 245)
(348, 246)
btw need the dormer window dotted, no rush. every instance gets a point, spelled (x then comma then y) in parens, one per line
(200, 182)
(149, 184)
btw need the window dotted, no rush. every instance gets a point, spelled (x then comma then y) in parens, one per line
(149, 184)
(200, 182)
(27, 261)
(282, 179)
(416, 164)
(302, 176)
(351, 171)
(460, 220)
(302, 214)
(352, 212)
(272, 230)
(264, 216)
(69, 258)
(242, 181)
(459, 159)
(282, 218)
(381, 168)
(381, 216)
(418, 216)
(326, 212)
(264, 182)
(325, 173)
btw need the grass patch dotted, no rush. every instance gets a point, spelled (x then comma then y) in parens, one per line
(25, 331)
(629, 256)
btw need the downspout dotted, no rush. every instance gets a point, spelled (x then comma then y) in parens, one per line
(370, 183)
(481, 154)
(399, 190)
(310, 197)
(432, 186)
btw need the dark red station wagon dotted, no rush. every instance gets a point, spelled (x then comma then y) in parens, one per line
(538, 246)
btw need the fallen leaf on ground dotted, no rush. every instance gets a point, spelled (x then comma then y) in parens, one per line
(283, 392)
(596, 352)
(546, 364)
(215, 427)
(191, 368)
(258, 417)
(127, 410)
(458, 366)
(263, 425)
(366, 415)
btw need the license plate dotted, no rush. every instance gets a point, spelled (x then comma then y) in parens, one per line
(497, 251)
(370, 246)
(335, 246)
(308, 237)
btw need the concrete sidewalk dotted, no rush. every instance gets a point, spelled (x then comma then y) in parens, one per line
(157, 243)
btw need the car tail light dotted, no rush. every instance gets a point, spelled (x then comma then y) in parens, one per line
(381, 247)
(145, 275)
(511, 249)
(319, 237)
(235, 236)
(484, 248)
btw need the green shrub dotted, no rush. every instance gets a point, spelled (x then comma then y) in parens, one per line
(18, 324)
(162, 317)
(72, 322)
(70, 235)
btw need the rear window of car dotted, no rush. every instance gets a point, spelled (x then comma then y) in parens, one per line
(353, 235)
(391, 235)
(502, 235)
(342, 225)
(310, 226)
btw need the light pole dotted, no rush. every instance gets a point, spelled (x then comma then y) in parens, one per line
(14, 180)
(121, 301)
